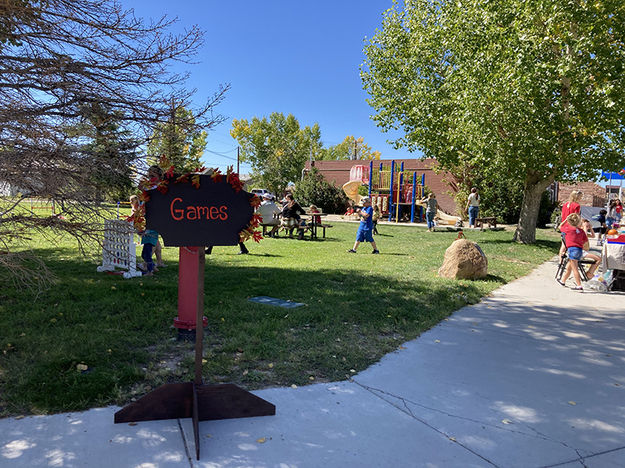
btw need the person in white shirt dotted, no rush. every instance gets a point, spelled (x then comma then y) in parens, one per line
(473, 206)
(269, 212)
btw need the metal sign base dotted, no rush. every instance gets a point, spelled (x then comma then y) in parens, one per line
(194, 399)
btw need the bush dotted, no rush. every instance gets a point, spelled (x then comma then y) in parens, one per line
(315, 190)
(502, 198)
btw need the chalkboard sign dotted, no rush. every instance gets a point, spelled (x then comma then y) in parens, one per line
(211, 213)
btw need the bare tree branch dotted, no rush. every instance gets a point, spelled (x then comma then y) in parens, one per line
(83, 84)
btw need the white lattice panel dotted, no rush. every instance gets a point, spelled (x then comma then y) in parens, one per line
(119, 249)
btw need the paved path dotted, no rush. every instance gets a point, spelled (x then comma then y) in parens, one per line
(532, 376)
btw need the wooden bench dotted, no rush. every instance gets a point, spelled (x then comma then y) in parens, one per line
(490, 220)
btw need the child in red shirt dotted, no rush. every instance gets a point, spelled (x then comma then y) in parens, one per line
(576, 239)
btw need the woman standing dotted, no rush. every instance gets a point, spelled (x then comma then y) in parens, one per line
(572, 205)
(473, 206)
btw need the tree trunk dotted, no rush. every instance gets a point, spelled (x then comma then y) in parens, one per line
(526, 229)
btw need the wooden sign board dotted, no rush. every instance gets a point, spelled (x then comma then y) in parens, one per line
(212, 214)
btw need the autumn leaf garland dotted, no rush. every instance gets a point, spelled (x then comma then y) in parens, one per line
(249, 232)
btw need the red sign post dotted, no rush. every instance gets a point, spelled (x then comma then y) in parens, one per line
(189, 280)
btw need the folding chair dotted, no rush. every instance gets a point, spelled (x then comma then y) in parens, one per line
(564, 260)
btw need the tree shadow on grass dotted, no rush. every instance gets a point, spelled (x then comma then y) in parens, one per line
(112, 325)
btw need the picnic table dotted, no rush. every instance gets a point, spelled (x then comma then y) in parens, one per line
(314, 222)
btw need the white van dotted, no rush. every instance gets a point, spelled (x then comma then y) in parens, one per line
(259, 192)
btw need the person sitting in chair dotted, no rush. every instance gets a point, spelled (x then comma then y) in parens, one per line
(577, 248)
(291, 216)
(269, 212)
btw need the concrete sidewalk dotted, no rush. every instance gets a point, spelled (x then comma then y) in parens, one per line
(532, 376)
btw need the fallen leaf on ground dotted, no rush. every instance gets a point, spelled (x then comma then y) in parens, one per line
(572, 403)
(506, 421)
(262, 440)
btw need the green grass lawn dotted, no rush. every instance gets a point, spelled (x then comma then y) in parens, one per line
(357, 308)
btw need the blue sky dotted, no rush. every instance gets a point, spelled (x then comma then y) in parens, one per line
(299, 58)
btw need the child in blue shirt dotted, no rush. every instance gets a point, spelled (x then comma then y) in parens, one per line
(149, 239)
(365, 229)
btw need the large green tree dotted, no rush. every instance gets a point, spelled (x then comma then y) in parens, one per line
(533, 91)
(349, 148)
(277, 148)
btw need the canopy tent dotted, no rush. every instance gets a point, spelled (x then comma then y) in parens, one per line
(613, 175)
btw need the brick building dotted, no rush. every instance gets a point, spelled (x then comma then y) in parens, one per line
(442, 183)
(593, 194)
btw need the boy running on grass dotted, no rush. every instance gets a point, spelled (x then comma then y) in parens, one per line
(365, 230)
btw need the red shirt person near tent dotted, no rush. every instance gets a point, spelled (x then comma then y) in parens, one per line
(571, 206)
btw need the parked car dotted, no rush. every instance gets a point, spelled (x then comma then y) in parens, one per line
(260, 192)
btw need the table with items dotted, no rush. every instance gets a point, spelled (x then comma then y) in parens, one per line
(613, 258)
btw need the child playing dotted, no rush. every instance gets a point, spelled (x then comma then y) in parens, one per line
(376, 217)
(154, 176)
(149, 239)
(136, 213)
(315, 219)
(365, 229)
(350, 210)
(576, 240)
(431, 209)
